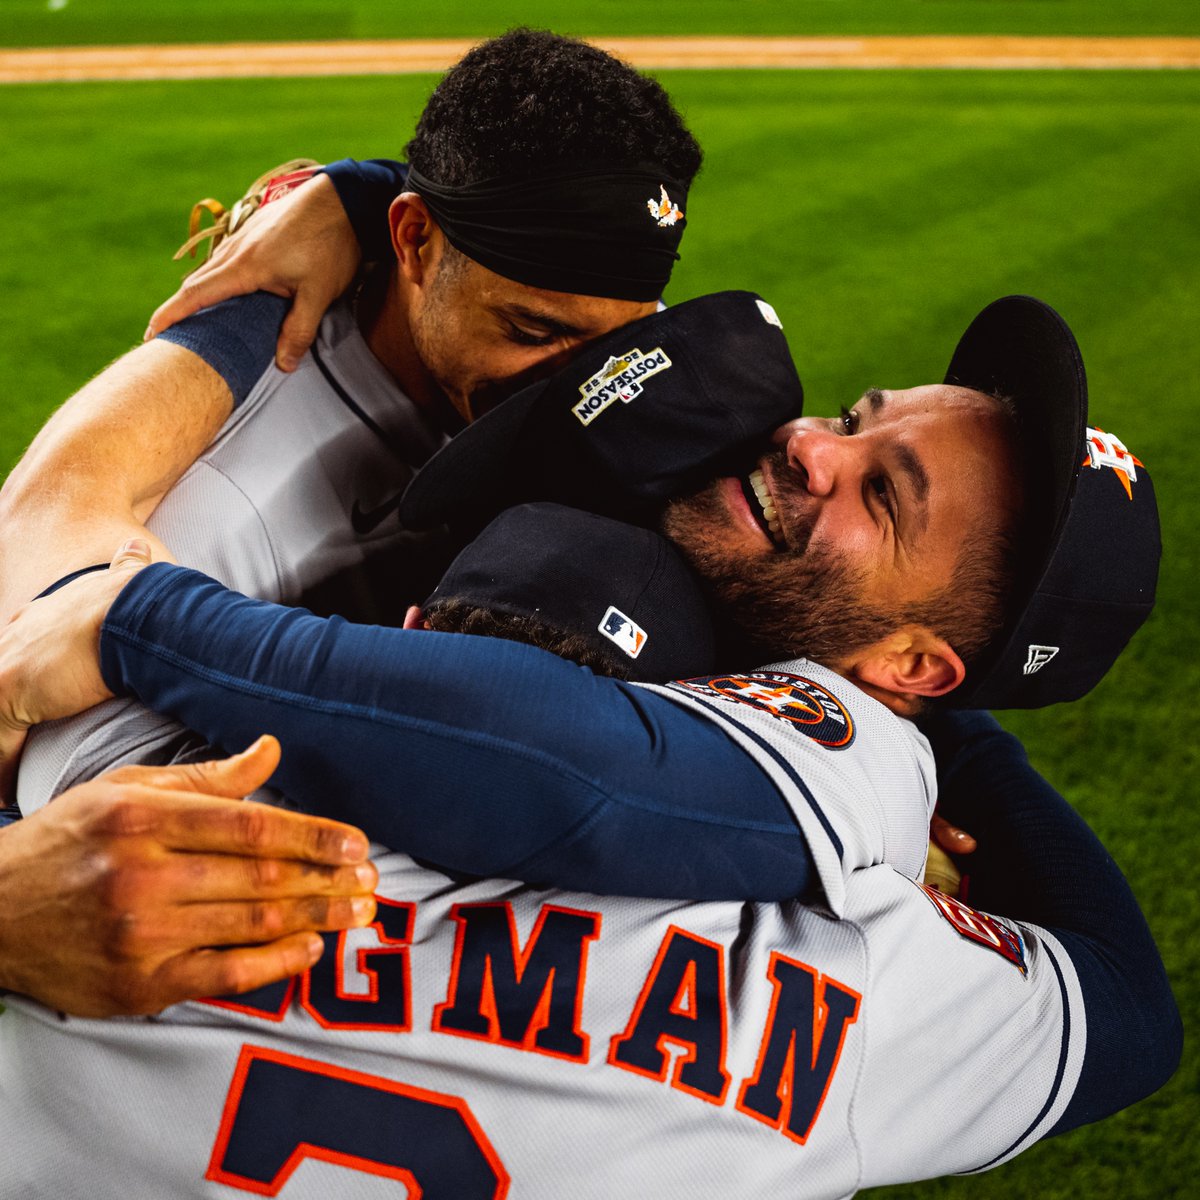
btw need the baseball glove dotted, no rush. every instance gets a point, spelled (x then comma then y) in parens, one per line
(277, 182)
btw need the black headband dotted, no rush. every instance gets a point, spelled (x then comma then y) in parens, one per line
(608, 233)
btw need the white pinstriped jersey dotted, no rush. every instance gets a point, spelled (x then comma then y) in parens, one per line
(269, 509)
(493, 1040)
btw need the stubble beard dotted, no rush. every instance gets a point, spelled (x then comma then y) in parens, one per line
(777, 604)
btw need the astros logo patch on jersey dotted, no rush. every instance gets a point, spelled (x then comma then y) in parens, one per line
(621, 379)
(1105, 450)
(664, 210)
(813, 709)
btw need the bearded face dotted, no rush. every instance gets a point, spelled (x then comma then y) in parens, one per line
(773, 604)
(857, 526)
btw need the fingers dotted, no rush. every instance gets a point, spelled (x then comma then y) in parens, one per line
(949, 837)
(208, 824)
(151, 934)
(134, 553)
(232, 777)
(196, 292)
(166, 878)
(299, 329)
(210, 972)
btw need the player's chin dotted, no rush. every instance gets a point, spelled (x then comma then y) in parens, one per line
(707, 531)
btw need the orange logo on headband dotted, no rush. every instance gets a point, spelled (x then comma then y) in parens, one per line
(664, 210)
(1104, 450)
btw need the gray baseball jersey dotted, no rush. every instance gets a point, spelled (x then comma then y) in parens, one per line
(492, 1039)
(290, 497)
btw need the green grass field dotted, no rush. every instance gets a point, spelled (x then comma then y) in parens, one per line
(82, 22)
(877, 210)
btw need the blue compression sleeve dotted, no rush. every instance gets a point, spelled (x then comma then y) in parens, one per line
(236, 338)
(366, 190)
(1038, 861)
(480, 755)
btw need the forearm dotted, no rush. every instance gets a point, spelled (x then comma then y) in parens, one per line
(479, 755)
(101, 463)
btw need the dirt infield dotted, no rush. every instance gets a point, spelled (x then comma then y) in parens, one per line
(83, 63)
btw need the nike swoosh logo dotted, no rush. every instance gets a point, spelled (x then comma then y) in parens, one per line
(367, 520)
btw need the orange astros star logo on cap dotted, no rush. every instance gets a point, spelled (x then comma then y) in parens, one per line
(664, 210)
(1105, 450)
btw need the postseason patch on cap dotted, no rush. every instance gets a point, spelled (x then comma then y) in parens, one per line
(624, 633)
(621, 378)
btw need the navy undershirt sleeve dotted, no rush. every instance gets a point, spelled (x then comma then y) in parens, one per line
(236, 338)
(476, 754)
(366, 190)
(1038, 861)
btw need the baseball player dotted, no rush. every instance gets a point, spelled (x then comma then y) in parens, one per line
(379, 393)
(809, 737)
(686, 1048)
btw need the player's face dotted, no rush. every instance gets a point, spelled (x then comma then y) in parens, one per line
(483, 337)
(851, 520)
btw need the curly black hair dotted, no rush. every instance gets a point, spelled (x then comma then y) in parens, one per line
(451, 615)
(531, 99)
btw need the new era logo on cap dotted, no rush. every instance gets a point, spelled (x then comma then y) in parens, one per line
(1038, 657)
(624, 633)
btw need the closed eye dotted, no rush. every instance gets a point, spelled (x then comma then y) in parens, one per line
(523, 337)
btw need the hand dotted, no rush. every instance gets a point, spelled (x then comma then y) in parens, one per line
(50, 654)
(949, 837)
(941, 871)
(301, 246)
(147, 886)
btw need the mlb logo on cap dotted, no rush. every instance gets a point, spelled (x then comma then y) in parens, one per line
(622, 632)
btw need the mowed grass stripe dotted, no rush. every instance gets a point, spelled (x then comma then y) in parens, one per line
(106, 22)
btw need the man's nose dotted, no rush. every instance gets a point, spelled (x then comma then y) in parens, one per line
(819, 456)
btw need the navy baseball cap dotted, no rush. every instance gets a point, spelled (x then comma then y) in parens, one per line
(624, 590)
(1091, 569)
(649, 412)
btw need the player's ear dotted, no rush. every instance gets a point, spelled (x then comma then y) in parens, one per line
(413, 230)
(909, 666)
(414, 618)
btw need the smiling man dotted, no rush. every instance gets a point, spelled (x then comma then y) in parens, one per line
(881, 513)
(890, 521)
(732, 1049)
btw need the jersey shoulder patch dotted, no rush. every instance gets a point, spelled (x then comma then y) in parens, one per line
(806, 705)
(979, 927)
